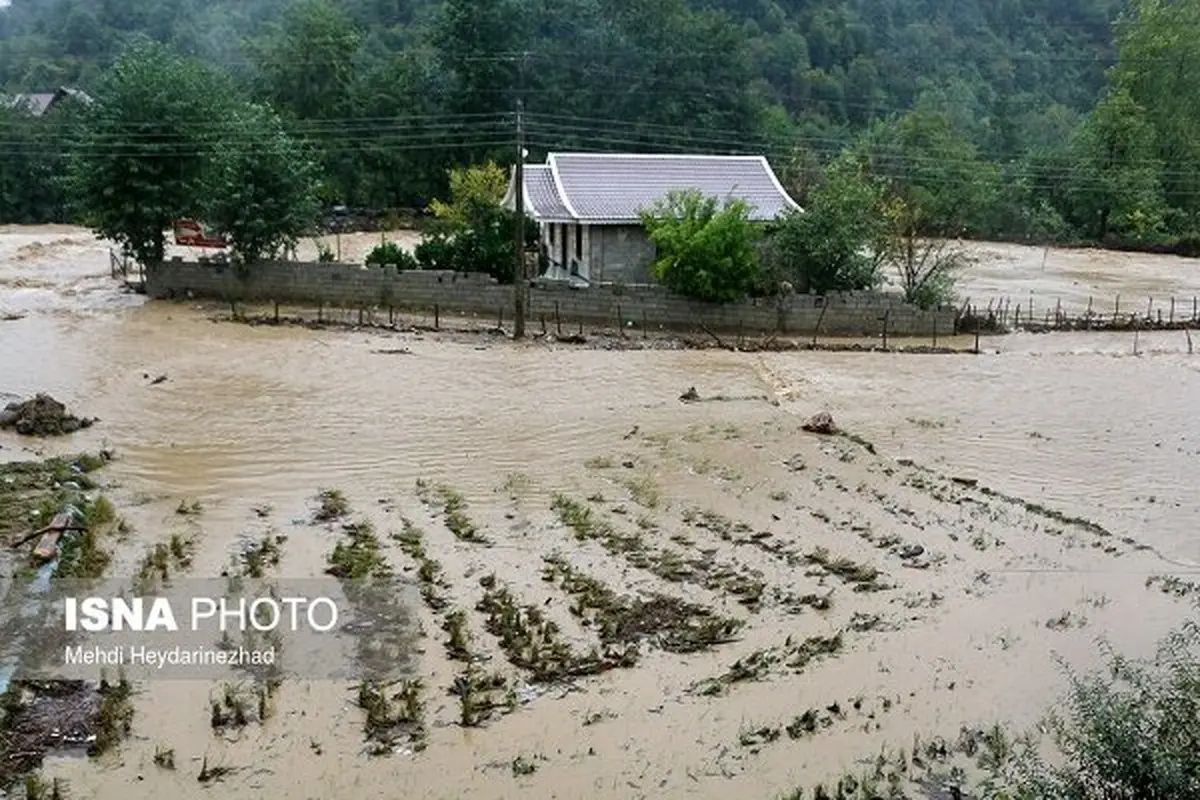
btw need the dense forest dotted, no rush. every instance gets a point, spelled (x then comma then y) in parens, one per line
(1073, 120)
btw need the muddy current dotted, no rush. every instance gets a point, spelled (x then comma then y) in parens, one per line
(959, 634)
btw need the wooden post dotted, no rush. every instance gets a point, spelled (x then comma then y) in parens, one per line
(437, 316)
(276, 312)
(1017, 318)
(976, 340)
(320, 312)
(1089, 313)
(543, 323)
(741, 330)
(391, 315)
(620, 321)
(1058, 317)
(1117, 309)
(581, 327)
(360, 315)
(1172, 309)
(645, 325)
(557, 319)
(500, 317)
(885, 326)
(1149, 310)
(935, 330)
(1031, 309)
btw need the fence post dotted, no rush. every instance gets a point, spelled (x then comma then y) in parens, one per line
(935, 330)
(1117, 309)
(976, 340)
(645, 325)
(500, 317)
(437, 316)
(1089, 313)
(620, 321)
(557, 319)
(276, 312)
(320, 312)
(543, 323)
(885, 326)
(1172, 309)
(1150, 310)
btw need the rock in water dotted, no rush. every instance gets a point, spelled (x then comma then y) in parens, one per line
(41, 416)
(821, 423)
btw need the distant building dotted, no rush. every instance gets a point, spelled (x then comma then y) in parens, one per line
(588, 205)
(39, 104)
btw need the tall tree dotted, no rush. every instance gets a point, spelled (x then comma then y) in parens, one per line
(138, 159)
(261, 184)
(1115, 182)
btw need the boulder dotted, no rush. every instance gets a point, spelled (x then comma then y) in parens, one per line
(821, 423)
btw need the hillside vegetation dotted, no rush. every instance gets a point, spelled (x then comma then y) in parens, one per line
(1066, 121)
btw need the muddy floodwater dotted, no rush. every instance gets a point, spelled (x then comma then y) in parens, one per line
(1013, 507)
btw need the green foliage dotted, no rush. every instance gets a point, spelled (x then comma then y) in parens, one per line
(972, 112)
(826, 248)
(705, 251)
(1130, 732)
(1114, 184)
(33, 147)
(473, 191)
(260, 184)
(472, 232)
(139, 156)
(390, 253)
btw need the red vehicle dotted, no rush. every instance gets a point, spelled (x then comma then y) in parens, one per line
(190, 233)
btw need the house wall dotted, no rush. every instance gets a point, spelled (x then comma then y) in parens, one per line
(620, 254)
(353, 286)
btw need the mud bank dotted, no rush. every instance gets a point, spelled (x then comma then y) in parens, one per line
(41, 415)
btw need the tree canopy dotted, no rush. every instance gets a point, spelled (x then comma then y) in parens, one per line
(1073, 120)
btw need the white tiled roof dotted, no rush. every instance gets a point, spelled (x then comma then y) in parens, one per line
(614, 188)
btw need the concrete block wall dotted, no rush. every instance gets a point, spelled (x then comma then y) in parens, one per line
(633, 306)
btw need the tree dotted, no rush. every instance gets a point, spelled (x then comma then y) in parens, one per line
(926, 268)
(1114, 184)
(471, 190)
(826, 247)
(473, 232)
(261, 186)
(138, 159)
(705, 251)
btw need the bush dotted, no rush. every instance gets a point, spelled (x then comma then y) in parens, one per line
(435, 252)
(705, 251)
(390, 253)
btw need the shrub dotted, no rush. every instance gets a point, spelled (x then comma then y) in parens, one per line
(390, 253)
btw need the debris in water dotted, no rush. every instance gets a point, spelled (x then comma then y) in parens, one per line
(41, 416)
(690, 396)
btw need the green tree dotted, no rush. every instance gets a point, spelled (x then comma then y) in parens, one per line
(139, 156)
(307, 63)
(1158, 65)
(705, 250)
(1114, 184)
(472, 232)
(472, 190)
(827, 247)
(926, 268)
(261, 186)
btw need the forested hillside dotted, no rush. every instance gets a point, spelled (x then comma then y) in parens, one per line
(1017, 118)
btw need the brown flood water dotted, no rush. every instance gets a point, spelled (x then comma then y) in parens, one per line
(1074, 422)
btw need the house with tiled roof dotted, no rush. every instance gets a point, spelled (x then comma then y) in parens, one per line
(588, 205)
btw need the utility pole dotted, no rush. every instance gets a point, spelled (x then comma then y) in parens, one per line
(519, 205)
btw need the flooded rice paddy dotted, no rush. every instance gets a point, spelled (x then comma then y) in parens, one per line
(673, 599)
